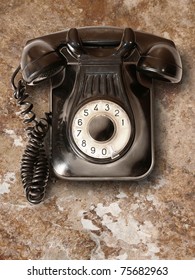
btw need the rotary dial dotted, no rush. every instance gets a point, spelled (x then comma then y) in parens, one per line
(101, 129)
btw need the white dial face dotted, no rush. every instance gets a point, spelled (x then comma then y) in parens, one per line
(101, 129)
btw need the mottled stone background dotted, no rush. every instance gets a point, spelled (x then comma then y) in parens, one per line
(151, 219)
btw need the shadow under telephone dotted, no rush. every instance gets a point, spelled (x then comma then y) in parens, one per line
(101, 103)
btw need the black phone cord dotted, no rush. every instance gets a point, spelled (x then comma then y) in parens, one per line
(34, 163)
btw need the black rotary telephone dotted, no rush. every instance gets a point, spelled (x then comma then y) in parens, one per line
(101, 103)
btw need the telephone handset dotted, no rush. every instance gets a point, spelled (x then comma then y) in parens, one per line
(101, 103)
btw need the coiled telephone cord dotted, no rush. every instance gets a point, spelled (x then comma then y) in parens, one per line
(34, 163)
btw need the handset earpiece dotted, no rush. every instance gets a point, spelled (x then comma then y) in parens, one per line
(40, 61)
(161, 62)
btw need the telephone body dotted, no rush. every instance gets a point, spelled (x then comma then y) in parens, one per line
(101, 99)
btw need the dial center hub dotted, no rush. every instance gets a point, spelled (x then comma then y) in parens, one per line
(101, 128)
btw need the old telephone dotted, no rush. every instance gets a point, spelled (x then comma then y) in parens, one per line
(101, 103)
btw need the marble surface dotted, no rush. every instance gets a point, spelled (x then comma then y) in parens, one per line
(150, 219)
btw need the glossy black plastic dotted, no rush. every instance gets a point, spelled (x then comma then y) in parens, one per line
(157, 55)
(95, 63)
